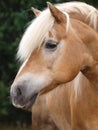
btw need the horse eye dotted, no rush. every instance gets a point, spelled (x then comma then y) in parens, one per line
(51, 45)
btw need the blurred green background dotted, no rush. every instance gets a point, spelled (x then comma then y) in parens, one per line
(14, 18)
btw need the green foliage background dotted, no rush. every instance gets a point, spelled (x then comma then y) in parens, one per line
(14, 18)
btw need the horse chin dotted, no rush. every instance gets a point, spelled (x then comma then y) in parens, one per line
(31, 101)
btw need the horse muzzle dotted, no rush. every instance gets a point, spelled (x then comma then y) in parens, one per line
(19, 98)
(23, 93)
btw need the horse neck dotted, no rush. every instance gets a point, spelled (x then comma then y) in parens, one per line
(89, 20)
(84, 94)
(90, 39)
(88, 36)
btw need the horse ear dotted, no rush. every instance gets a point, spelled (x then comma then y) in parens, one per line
(35, 11)
(56, 13)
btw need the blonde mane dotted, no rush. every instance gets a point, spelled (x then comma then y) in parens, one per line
(35, 33)
(90, 13)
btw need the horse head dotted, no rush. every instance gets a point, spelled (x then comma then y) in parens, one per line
(53, 51)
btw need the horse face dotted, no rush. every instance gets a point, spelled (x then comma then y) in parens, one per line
(53, 63)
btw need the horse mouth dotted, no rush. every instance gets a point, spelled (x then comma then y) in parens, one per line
(31, 102)
(25, 103)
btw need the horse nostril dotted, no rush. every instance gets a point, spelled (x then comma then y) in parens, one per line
(19, 92)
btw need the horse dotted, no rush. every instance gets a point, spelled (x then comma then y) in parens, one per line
(58, 77)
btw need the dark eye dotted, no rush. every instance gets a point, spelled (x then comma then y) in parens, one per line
(51, 45)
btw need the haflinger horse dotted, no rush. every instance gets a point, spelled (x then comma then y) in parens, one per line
(58, 78)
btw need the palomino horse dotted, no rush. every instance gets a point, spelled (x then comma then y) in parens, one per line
(60, 53)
